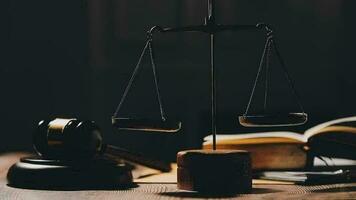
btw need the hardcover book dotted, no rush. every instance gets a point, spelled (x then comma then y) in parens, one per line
(328, 143)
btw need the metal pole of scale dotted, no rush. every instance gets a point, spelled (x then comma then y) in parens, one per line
(210, 22)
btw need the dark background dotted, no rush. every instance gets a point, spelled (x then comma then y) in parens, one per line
(72, 58)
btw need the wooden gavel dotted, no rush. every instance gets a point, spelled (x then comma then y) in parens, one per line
(72, 139)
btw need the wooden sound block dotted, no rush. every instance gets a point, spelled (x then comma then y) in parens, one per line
(214, 171)
(97, 173)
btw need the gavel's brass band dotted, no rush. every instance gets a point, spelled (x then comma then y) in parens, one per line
(219, 171)
(55, 131)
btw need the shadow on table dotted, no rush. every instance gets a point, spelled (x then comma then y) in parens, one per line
(188, 194)
(347, 188)
(75, 187)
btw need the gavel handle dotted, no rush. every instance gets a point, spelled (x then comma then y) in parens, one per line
(117, 152)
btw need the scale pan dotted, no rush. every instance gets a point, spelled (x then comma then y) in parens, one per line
(289, 119)
(166, 126)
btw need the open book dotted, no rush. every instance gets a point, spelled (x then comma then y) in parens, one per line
(334, 139)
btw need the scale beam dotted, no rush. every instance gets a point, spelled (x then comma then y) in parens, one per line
(206, 28)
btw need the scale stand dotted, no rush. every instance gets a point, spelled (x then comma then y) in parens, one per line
(212, 28)
(210, 171)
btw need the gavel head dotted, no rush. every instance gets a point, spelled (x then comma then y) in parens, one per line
(67, 139)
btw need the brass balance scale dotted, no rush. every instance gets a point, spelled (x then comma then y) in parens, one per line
(214, 175)
(210, 27)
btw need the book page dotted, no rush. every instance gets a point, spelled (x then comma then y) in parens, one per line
(323, 161)
(324, 127)
(319, 128)
(274, 134)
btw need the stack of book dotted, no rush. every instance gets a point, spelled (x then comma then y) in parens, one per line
(326, 152)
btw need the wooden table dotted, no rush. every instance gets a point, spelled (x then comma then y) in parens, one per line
(163, 186)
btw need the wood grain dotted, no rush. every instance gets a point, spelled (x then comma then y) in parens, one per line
(8, 159)
(155, 190)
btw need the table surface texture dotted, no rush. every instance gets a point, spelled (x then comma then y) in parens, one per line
(155, 188)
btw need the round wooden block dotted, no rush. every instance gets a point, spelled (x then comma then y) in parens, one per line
(214, 171)
(39, 173)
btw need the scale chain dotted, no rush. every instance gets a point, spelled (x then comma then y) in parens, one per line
(286, 74)
(163, 116)
(267, 73)
(270, 44)
(132, 78)
(134, 74)
(257, 76)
